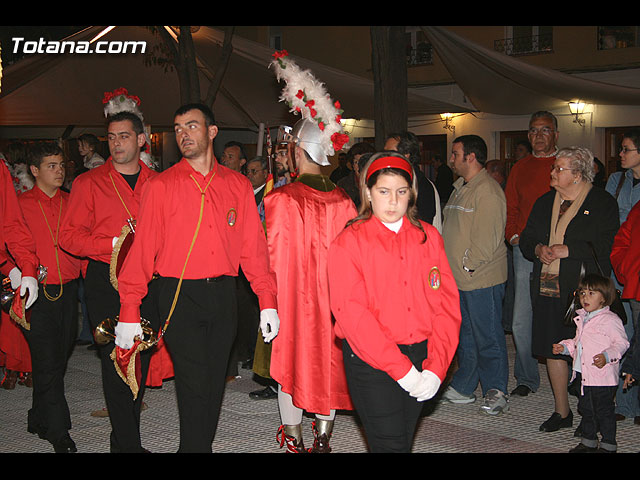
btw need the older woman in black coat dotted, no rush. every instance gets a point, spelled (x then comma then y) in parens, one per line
(562, 225)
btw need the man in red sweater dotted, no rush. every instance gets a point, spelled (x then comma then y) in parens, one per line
(527, 181)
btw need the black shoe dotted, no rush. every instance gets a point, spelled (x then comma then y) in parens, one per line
(582, 448)
(604, 450)
(247, 364)
(264, 394)
(556, 422)
(64, 445)
(578, 432)
(521, 391)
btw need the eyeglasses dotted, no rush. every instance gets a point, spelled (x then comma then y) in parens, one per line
(626, 150)
(559, 169)
(544, 131)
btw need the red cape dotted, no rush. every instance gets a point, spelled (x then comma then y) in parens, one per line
(306, 356)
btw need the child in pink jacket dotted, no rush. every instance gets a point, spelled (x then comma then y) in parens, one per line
(597, 349)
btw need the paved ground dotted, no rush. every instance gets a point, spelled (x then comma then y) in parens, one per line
(249, 426)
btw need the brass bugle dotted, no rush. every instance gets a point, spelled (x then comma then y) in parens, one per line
(7, 293)
(105, 332)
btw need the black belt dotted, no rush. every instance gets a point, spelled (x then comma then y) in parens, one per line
(202, 280)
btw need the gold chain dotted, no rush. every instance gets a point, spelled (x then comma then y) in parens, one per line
(55, 249)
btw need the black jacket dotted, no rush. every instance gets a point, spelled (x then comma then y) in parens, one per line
(596, 222)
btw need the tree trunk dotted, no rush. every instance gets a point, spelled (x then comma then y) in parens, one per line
(388, 61)
(225, 56)
(190, 93)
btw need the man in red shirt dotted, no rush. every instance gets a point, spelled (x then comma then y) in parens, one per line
(19, 262)
(527, 181)
(198, 225)
(102, 201)
(17, 239)
(53, 320)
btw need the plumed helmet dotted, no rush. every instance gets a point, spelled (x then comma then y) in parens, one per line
(309, 137)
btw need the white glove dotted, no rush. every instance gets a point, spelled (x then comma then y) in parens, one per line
(29, 284)
(411, 380)
(125, 333)
(421, 386)
(114, 241)
(269, 323)
(15, 275)
(431, 385)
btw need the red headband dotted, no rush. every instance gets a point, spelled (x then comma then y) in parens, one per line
(390, 162)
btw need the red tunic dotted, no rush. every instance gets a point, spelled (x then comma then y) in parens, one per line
(101, 201)
(30, 203)
(14, 350)
(13, 229)
(306, 356)
(230, 235)
(96, 212)
(390, 289)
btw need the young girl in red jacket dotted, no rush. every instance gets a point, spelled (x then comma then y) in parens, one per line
(597, 350)
(395, 303)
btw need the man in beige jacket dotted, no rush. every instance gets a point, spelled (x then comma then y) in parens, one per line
(473, 232)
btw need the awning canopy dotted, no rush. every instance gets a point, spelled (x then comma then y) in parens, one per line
(500, 84)
(67, 89)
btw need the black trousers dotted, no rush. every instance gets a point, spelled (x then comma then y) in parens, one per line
(103, 302)
(199, 337)
(388, 413)
(52, 333)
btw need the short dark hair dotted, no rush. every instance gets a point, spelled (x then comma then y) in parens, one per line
(634, 136)
(90, 139)
(473, 144)
(598, 283)
(39, 150)
(209, 118)
(233, 143)
(408, 144)
(136, 123)
(264, 165)
(360, 149)
(525, 143)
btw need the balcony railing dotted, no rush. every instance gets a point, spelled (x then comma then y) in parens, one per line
(530, 45)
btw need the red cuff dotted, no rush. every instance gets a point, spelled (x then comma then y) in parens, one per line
(268, 301)
(29, 270)
(129, 313)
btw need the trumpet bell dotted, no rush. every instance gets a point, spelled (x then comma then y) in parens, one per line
(105, 332)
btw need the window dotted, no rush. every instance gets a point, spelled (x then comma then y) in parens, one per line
(275, 38)
(618, 37)
(526, 40)
(419, 50)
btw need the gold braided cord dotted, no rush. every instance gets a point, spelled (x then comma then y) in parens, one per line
(119, 196)
(193, 241)
(55, 249)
